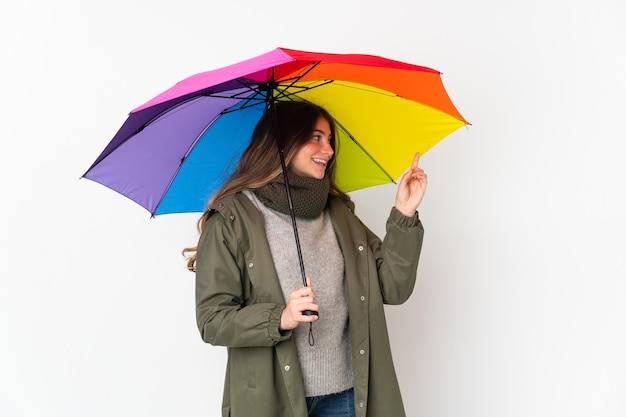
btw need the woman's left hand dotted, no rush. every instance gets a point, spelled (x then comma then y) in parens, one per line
(411, 188)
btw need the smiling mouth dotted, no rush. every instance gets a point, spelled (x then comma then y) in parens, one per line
(320, 161)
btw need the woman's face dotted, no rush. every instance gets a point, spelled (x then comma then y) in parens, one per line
(312, 158)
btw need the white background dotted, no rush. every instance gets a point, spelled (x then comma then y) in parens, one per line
(519, 308)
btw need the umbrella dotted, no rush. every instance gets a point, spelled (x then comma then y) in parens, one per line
(176, 150)
(173, 152)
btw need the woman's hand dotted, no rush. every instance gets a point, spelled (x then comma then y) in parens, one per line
(299, 300)
(411, 188)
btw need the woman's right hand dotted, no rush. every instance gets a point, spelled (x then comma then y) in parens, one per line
(299, 300)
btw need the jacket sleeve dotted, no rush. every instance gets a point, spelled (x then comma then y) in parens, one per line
(222, 289)
(397, 256)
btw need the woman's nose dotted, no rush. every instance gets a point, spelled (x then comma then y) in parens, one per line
(327, 148)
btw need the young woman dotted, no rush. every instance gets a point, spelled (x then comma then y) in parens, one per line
(249, 291)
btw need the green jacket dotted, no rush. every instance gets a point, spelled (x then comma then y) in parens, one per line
(239, 302)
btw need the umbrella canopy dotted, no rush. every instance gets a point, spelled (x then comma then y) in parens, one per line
(176, 150)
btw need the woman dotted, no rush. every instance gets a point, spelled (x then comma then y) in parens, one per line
(249, 292)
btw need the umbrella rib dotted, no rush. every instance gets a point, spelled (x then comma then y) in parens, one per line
(259, 98)
(356, 142)
(273, 85)
(293, 80)
(282, 88)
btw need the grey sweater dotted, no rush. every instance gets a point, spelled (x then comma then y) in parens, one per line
(327, 365)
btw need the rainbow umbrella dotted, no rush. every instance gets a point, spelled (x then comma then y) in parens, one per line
(176, 150)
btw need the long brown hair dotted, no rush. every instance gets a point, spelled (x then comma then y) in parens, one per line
(260, 163)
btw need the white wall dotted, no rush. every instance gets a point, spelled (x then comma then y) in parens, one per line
(519, 308)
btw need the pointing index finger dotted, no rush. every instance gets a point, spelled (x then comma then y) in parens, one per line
(416, 160)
